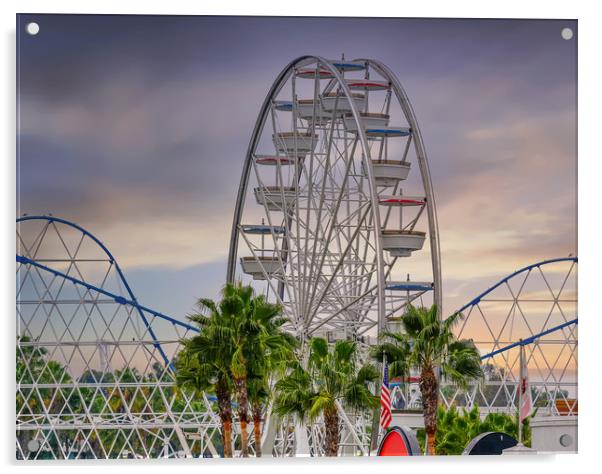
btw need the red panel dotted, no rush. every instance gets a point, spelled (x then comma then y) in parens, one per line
(403, 201)
(394, 445)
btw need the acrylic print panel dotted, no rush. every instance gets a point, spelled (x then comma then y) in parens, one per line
(220, 219)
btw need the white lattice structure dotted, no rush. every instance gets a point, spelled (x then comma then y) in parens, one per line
(94, 376)
(535, 307)
(93, 365)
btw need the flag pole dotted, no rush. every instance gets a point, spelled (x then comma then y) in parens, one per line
(377, 414)
(520, 393)
(382, 373)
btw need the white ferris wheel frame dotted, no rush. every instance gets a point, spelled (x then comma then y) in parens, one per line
(339, 82)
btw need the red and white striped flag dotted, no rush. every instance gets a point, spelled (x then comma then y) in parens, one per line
(385, 399)
(525, 390)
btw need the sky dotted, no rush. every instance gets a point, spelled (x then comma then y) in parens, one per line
(136, 128)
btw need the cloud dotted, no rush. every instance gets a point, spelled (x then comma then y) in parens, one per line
(142, 138)
(152, 171)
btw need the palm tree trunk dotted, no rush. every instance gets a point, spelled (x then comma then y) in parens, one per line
(429, 389)
(331, 423)
(227, 437)
(240, 384)
(257, 428)
(244, 435)
(224, 403)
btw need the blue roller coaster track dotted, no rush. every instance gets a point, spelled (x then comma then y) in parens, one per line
(529, 340)
(132, 301)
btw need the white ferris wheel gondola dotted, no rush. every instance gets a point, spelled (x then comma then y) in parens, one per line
(341, 104)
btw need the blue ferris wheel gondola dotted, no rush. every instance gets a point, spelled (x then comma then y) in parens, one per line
(388, 132)
(283, 105)
(262, 229)
(349, 65)
(409, 286)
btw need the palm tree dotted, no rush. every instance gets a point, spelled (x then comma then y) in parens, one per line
(269, 351)
(201, 370)
(240, 334)
(220, 357)
(235, 312)
(225, 332)
(427, 344)
(259, 393)
(333, 378)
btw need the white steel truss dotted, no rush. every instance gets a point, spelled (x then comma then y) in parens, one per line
(94, 377)
(535, 307)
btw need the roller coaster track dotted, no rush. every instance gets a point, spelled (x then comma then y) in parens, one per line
(44, 268)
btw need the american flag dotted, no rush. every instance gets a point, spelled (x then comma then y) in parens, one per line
(385, 399)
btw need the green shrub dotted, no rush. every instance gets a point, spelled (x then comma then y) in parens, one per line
(455, 428)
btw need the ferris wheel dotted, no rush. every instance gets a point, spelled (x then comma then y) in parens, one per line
(335, 217)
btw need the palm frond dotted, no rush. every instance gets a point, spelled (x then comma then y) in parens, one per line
(367, 374)
(318, 349)
(320, 402)
(206, 304)
(413, 320)
(344, 351)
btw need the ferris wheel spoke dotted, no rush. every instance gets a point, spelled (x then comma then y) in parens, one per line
(321, 205)
(329, 318)
(339, 288)
(302, 171)
(310, 182)
(326, 237)
(330, 225)
(299, 170)
(330, 263)
(323, 294)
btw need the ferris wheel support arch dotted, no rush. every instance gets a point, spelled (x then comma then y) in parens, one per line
(425, 173)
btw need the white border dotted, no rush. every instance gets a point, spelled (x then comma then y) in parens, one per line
(590, 173)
